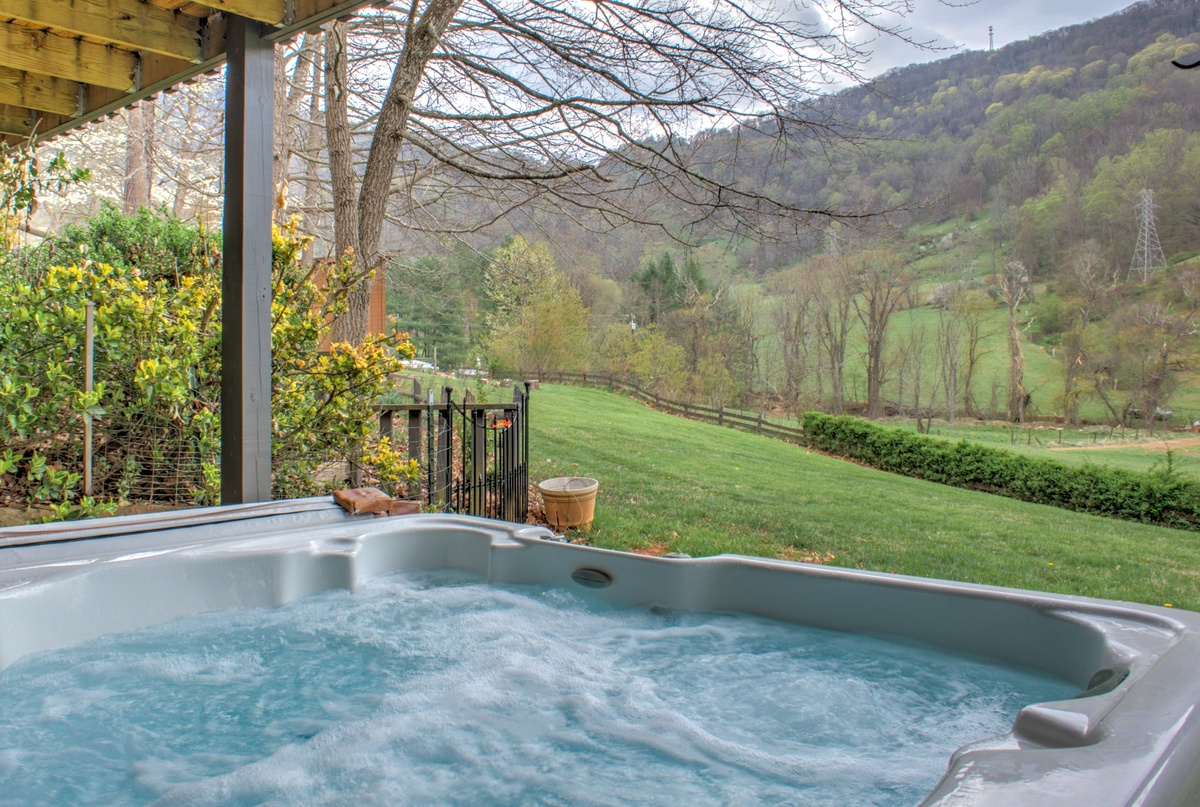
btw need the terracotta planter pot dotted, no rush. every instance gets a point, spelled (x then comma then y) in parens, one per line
(570, 501)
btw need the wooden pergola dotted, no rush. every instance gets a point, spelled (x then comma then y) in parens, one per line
(67, 63)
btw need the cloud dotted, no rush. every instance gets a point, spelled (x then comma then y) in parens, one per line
(961, 26)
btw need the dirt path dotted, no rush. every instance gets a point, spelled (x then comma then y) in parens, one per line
(1148, 445)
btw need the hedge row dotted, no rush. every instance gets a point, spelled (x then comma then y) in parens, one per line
(1156, 497)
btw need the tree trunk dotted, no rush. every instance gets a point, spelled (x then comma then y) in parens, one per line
(881, 286)
(282, 156)
(1016, 370)
(1073, 361)
(974, 341)
(835, 354)
(421, 37)
(315, 128)
(179, 199)
(1098, 385)
(139, 153)
(1013, 287)
(289, 90)
(875, 374)
(833, 322)
(359, 218)
(352, 325)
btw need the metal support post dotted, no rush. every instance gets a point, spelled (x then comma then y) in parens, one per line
(246, 282)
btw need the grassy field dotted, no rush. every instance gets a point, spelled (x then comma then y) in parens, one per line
(668, 484)
(1129, 449)
(1099, 445)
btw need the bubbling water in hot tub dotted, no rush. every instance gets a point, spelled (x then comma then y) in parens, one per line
(434, 688)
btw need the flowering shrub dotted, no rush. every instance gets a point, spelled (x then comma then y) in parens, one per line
(391, 470)
(156, 401)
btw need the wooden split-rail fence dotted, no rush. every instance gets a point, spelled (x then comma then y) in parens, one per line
(721, 416)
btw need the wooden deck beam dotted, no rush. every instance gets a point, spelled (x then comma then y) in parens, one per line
(16, 122)
(132, 24)
(268, 11)
(21, 89)
(49, 54)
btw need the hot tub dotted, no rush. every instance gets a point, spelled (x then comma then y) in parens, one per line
(1130, 736)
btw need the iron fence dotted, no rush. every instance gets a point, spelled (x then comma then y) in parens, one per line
(474, 456)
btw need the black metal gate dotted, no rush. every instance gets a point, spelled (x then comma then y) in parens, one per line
(473, 456)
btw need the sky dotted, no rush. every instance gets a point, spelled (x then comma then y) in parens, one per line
(957, 23)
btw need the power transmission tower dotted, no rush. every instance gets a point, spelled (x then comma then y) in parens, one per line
(1148, 254)
(991, 39)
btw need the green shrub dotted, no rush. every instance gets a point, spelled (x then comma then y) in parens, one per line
(158, 245)
(156, 401)
(1157, 497)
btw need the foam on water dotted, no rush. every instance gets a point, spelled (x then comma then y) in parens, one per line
(431, 688)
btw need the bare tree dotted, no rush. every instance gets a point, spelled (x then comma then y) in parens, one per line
(592, 108)
(694, 325)
(833, 296)
(912, 360)
(1013, 286)
(166, 150)
(1146, 341)
(190, 131)
(880, 283)
(949, 340)
(352, 326)
(972, 311)
(792, 316)
(1089, 283)
(297, 69)
(749, 312)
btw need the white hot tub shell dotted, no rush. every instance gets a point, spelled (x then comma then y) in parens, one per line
(1132, 736)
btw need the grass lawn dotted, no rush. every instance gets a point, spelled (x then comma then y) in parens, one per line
(676, 485)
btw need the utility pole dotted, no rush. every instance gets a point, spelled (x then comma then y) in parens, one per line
(1148, 255)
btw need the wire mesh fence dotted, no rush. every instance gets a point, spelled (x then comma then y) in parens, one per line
(472, 456)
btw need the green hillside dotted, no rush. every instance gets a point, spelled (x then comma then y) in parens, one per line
(668, 484)
(1028, 160)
